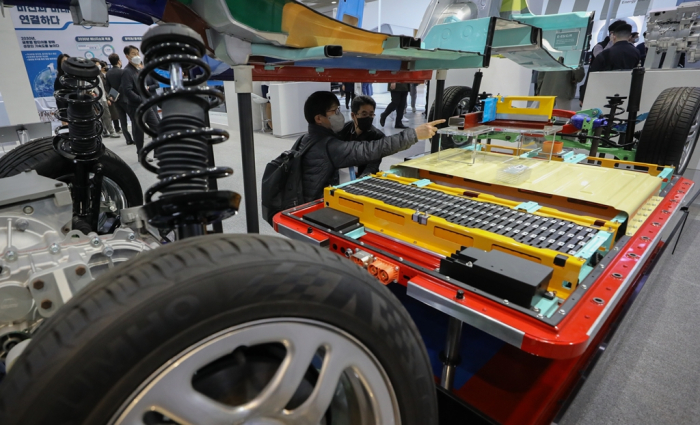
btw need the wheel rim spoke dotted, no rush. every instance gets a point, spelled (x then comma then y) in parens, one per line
(287, 379)
(170, 392)
(174, 397)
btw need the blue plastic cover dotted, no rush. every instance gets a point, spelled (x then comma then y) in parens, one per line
(489, 109)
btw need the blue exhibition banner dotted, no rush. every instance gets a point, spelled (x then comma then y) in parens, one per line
(44, 33)
(41, 70)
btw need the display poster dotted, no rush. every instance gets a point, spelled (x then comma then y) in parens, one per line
(44, 33)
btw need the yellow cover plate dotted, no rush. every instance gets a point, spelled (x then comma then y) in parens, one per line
(623, 190)
(307, 28)
(636, 222)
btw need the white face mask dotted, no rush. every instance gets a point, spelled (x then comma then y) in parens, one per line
(337, 122)
(136, 60)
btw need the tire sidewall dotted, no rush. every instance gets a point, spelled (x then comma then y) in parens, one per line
(143, 337)
(55, 166)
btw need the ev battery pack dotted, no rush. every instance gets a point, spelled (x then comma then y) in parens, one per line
(498, 273)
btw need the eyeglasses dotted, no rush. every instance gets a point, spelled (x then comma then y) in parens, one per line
(335, 111)
(366, 114)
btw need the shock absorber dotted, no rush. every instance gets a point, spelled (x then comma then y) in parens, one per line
(182, 138)
(80, 140)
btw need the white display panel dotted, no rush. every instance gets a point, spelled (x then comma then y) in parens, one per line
(287, 101)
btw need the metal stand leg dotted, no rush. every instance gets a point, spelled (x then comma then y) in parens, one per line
(217, 227)
(244, 86)
(451, 355)
(476, 86)
(439, 89)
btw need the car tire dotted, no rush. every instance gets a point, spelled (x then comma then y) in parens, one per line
(672, 128)
(120, 182)
(455, 100)
(93, 360)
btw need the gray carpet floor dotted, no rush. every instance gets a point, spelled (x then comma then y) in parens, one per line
(648, 374)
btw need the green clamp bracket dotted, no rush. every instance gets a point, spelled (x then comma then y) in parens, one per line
(593, 245)
(620, 218)
(665, 176)
(531, 153)
(269, 68)
(357, 233)
(529, 206)
(353, 181)
(574, 158)
(320, 69)
(421, 183)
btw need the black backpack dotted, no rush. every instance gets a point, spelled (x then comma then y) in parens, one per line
(281, 183)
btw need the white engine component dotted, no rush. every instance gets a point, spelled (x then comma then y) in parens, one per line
(671, 32)
(43, 263)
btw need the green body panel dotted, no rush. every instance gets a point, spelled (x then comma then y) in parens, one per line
(467, 36)
(513, 37)
(262, 15)
(562, 21)
(464, 62)
(288, 54)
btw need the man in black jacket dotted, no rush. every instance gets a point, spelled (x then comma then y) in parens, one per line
(328, 153)
(621, 56)
(114, 81)
(399, 95)
(361, 129)
(129, 89)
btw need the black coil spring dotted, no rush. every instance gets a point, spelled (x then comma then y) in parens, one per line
(83, 114)
(181, 145)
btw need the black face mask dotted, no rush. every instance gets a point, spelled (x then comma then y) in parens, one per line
(365, 124)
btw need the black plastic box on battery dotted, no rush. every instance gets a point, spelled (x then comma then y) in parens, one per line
(498, 273)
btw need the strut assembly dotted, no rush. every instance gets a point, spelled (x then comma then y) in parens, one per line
(82, 142)
(182, 139)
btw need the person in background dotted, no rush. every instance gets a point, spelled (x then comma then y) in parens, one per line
(327, 154)
(349, 90)
(561, 84)
(113, 111)
(361, 129)
(606, 43)
(367, 89)
(114, 81)
(641, 48)
(399, 95)
(413, 90)
(57, 85)
(621, 56)
(129, 89)
(107, 127)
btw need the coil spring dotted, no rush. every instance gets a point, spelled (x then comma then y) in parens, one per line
(83, 138)
(181, 141)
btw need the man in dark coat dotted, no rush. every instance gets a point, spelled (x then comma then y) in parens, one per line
(114, 81)
(361, 128)
(328, 153)
(621, 56)
(399, 95)
(130, 89)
